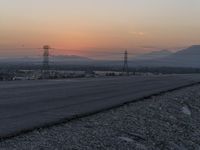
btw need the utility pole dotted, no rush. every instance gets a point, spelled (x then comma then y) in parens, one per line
(45, 68)
(125, 67)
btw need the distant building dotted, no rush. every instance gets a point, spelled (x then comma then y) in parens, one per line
(6, 77)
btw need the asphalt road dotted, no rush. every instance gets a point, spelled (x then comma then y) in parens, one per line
(26, 105)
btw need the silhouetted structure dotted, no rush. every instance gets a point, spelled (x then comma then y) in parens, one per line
(125, 67)
(45, 68)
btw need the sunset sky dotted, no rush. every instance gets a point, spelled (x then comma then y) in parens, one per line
(98, 25)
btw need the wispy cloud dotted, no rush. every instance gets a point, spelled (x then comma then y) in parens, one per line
(138, 34)
(149, 47)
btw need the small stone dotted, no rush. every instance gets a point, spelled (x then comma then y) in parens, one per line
(186, 110)
(126, 139)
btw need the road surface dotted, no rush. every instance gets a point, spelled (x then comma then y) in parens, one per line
(26, 105)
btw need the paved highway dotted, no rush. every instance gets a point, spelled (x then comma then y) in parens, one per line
(26, 105)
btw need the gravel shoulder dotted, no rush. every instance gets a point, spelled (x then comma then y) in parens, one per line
(170, 121)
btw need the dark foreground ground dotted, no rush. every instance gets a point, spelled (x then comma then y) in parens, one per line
(170, 121)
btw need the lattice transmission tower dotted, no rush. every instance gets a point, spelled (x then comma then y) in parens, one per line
(45, 68)
(125, 67)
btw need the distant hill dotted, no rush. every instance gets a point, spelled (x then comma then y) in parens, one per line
(68, 58)
(189, 57)
(21, 62)
(56, 59)
(192, 53)
(153, 55)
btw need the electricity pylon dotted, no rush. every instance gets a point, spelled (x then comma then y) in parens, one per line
(125, 67)
(45, 68)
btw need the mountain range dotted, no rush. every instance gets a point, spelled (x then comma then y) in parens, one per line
(153, 55)
(188, 57)
(55, 59)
